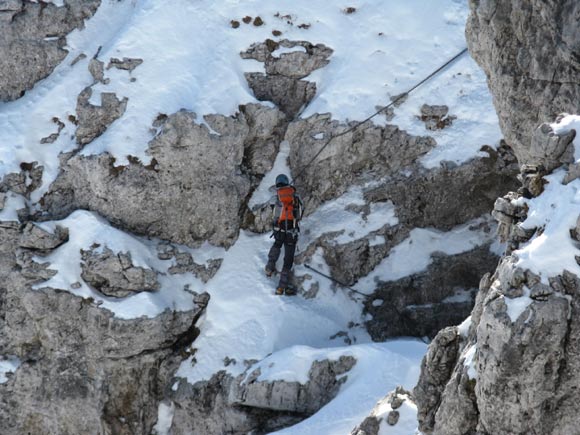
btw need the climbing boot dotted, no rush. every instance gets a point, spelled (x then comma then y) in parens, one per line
(290, 291)
(280, 291)
(270, 272)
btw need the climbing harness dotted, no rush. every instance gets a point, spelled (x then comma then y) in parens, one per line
(392, 103)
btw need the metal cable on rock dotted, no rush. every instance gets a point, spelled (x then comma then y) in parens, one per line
(392, 103)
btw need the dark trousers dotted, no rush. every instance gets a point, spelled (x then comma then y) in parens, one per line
(289, 241)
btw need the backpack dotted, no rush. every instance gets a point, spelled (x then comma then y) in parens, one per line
(288, 207)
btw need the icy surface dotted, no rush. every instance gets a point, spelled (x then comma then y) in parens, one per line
(8, 365)
(86, 229)
(556, 212)
(191, 60)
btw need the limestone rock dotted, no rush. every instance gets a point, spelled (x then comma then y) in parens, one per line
(127, 63)
(197, 181)
(34, 237)
(290, 95)
(33, 40)
(296, 64)
(436, 117)
(94, 120)
(293, 397)
(417, 306)
(384, 413)
(86, 369)
(529, 51)
(436, 370)
(115, 275)
(282, 82)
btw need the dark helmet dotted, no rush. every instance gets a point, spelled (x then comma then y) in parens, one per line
(282, 180)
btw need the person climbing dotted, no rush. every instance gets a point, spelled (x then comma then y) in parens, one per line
(287, 211)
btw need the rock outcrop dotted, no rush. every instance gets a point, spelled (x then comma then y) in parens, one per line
(242, 404)
(197, 180)
(282, 83)
(530, 53)
(33, 40)
(82, 369)
(510, 368)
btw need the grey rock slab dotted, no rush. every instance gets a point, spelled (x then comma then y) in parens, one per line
(529, 51)
(114, 274)
(33, 40)
(193, 189)
(93, 120)
(34, 237)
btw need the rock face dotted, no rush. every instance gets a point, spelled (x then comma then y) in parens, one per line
(510, 368)
(33, 40)
(282, 84)
(71, 351)
(225, 404)
(94, 120)
(197, 180)
(115, 275)
(530, 51)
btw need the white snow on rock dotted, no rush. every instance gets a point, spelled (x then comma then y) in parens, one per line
(86, 229)
(338, 216)
(555, 212)
(164, 418)
(191, 61)
(379, 369)
(8, 365)
(414, 254)
(567, 123)
(468, 362)
(516, 306)
(463, 329)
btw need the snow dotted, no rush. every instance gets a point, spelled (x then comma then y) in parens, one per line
(245, 320)
(8, 365)
(468, 355)
(463, 329)
(387, 49)
(164, 418)
(407, 423)
(516, 306)
(555, 211)
(13, 203)
(338, 216)
(566, 124)
(86, 229)
(379, 369)
(414, 254)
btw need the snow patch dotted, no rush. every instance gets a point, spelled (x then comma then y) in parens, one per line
(13, 203)
(380, 368)
(516, 306)
(463, 329)
(164, 418)
(414, 254)
(8, 365)
(285, 50)
(86, 229)
(348, 216)
(555, 212)
(468, 356)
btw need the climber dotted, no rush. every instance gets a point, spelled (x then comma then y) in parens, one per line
(287, 211)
